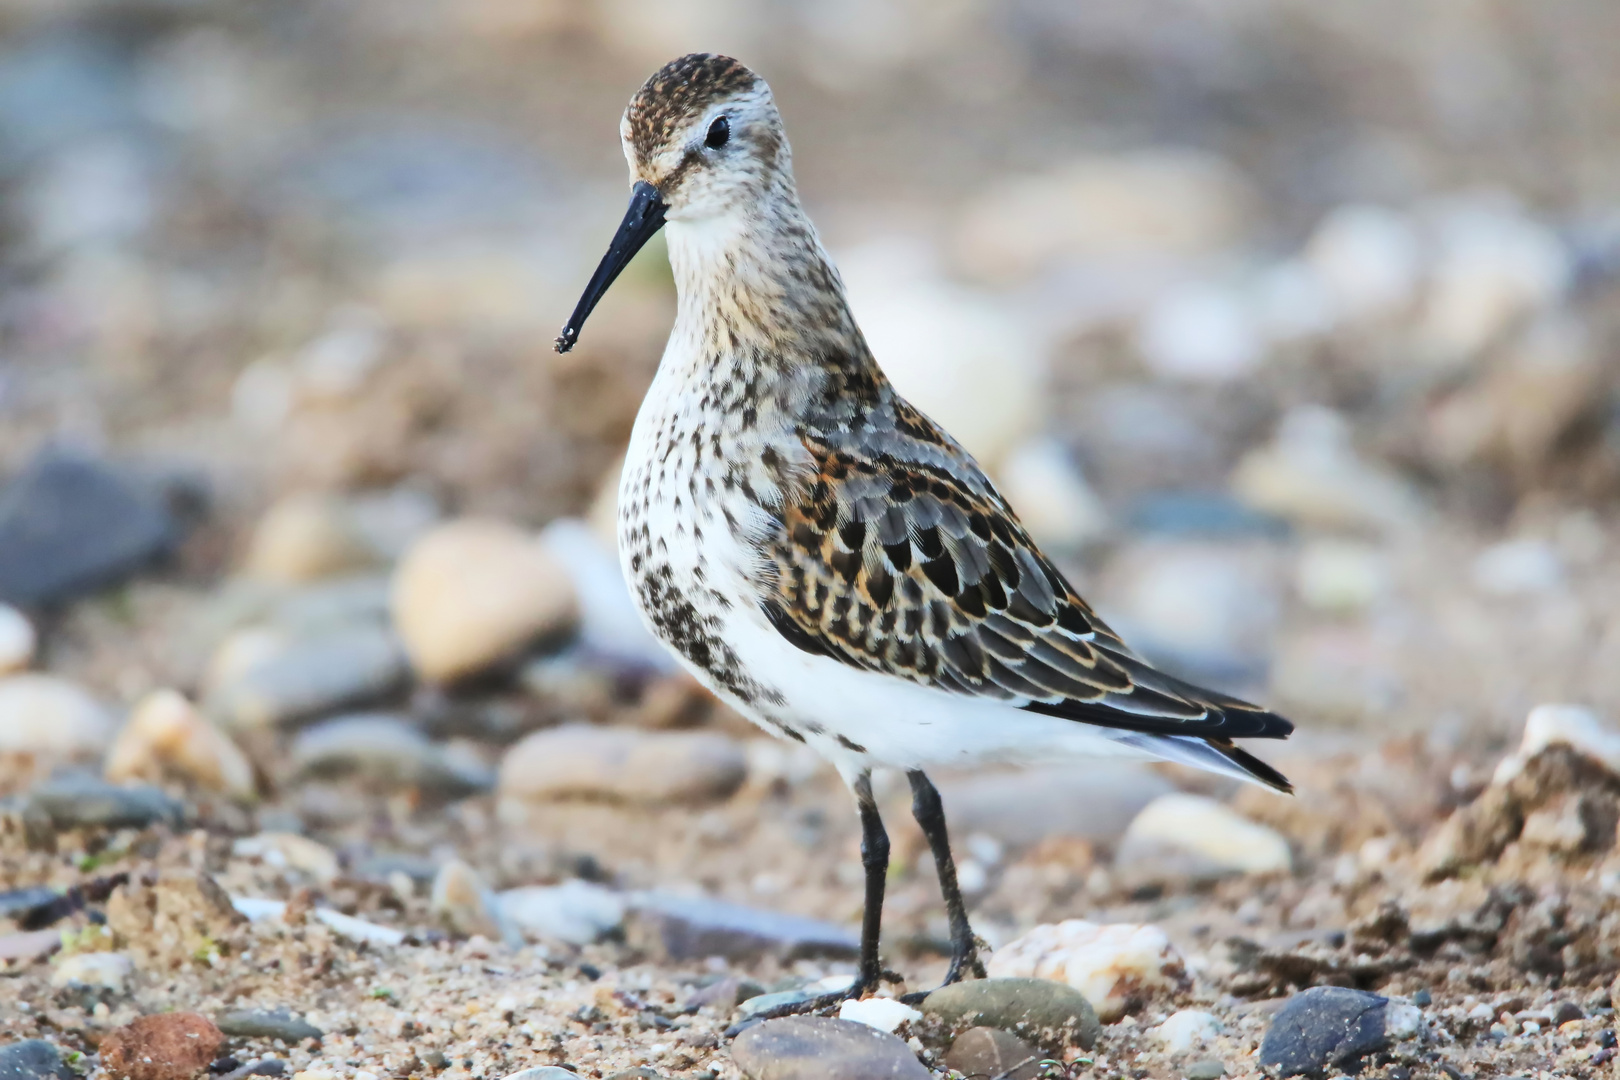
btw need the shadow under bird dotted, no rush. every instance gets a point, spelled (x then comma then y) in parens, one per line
(819, 553)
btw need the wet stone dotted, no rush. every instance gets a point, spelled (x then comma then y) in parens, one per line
(1050, 1013)
(685, 928)
(70, 525)
(268, 1024)
(77, 802)
(988, 1051)
(33, 1059)
(1323, 1027)
(821, 1048)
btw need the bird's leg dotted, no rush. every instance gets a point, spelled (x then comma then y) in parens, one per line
(875, 861)
(930, 815)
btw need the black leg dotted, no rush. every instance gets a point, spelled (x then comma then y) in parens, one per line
(875, 860)
(930, 814)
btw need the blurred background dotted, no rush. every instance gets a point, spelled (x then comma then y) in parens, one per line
(1290, 329)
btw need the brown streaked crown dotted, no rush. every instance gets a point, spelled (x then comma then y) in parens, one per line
(679, 90)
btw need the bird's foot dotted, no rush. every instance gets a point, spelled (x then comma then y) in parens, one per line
(963, 964)
(856, 990)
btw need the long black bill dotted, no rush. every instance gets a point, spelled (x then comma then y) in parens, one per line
(645, 217)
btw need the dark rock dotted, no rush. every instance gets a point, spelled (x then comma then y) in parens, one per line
(19, 904)
(1323, 1027)
(167, 1046)
(268, 1024)
(1566, 1011)
(685, 928)
(1050, 1013)
(1205, 1069)
(33, 1059)
(70, 525)
(988, 1051)
(821, 1048)
(81, 801)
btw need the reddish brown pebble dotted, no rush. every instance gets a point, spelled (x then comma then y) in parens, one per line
(168, 1046)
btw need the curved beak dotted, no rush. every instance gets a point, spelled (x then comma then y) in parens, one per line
(644, 218)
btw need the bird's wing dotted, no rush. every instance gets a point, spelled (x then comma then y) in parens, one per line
(894, 553)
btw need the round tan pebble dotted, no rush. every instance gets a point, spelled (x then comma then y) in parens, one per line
(473, 593)
(165, 733)
(306, 537)
(167, 1046)
(17, 640)
(41, 714)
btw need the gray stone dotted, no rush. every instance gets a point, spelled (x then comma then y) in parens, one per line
(575, 911)
(822, 1048)
(21, 904)
(70, 525)
(725, 994)
(1050, 1013)
(642, 1073)
(1206, 1069)
(690, 927)
(267, 1024)
(33, 1059)
(312, 677)
(387, 751)
(1323, 1027)
(763, 1003)
(997, 804)
(988, 1051)
(79, 801)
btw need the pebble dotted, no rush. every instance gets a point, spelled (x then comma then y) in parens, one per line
(724, 994)
(1323, 1027)
(1201, 333)
(307, 537)
(101, 970)
(29, 945)
(1042, 482)
(822, 1048)
(1157, 203)
(693, 927)
(460, 897)
(289, 851)
(1110, 964)
(165, 1046)
(165, 733)
(644, 767)
(1495, 266)
(1052, 1014)
(1574, 726)
(1187, 1030)
(70, 525)
(42, 714)
(544, 1072)
(1341, 577)
(33, 1059)
(885, 1014)
(1205, 1069)
(472, 594)
(990, 1052)
(77, 801)
(387, 751)
(1518, 568)
(1180, 836)
(1368, 259)
(997, 803)
(17, 640)
(1311, 475)
(311, 677)
(176, 918)
(255, 909)
(577, 912)
(390, 521)
(268, 1024)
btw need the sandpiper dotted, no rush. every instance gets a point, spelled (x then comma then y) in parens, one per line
(819, 553)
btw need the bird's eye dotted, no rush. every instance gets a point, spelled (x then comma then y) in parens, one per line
(719, 133)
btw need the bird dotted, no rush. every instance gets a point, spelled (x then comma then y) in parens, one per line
(821, 555)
